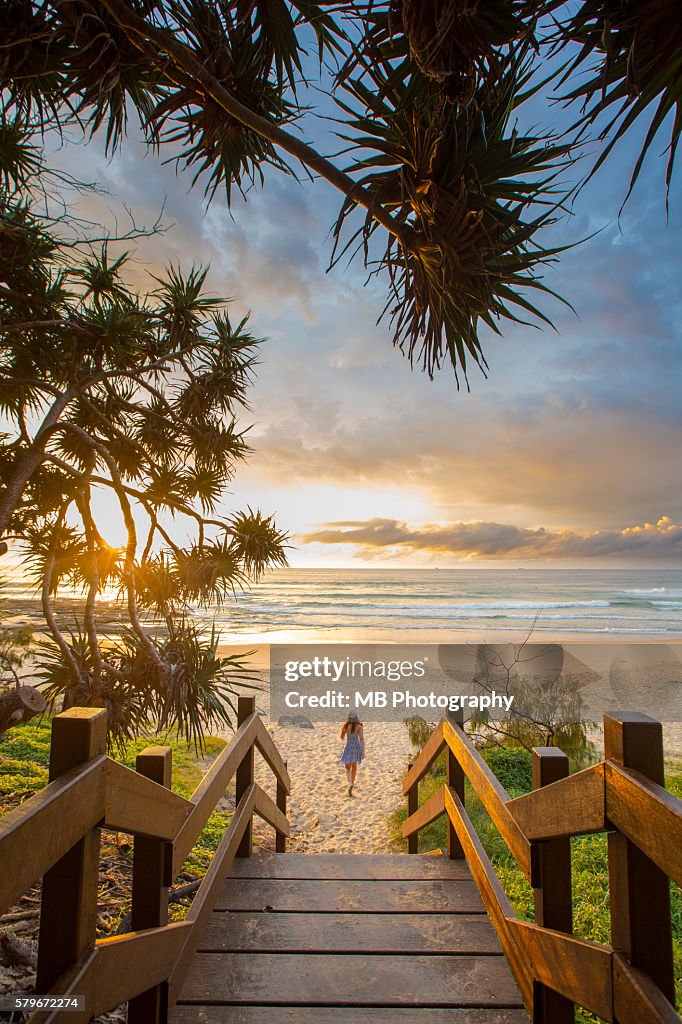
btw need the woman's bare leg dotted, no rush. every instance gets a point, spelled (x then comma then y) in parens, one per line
(353, 772)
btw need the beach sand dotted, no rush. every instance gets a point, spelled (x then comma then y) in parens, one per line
(325, 820)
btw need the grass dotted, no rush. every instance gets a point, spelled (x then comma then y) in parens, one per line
(24, 761)
(590, 875)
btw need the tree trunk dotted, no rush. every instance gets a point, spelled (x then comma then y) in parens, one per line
(20, 706)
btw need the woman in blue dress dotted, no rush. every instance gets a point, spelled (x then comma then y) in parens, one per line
(354, 751)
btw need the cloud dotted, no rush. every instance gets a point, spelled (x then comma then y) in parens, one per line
(581, 430)
(660, 540)
(545, 460)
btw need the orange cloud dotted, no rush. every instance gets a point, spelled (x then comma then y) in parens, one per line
(660, 540)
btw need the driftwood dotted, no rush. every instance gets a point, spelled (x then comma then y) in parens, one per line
(174, 896)
(21, 915)
(15, 953)
(20, 705)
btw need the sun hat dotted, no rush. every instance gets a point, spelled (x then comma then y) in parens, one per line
(353, 716)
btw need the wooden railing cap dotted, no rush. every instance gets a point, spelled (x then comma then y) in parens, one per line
(630, 718)
(549, 752)
(81, 713)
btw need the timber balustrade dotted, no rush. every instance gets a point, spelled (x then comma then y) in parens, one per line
(55, 835)
(629, 982)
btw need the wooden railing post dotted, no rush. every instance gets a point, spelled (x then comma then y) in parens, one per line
(246, 706)
(455, 780)
(68, 914)
(640, 891)
(551, 867)
(150, 887)
(412, 806)
(280, 838)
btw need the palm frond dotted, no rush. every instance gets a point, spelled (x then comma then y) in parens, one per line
(630, 60)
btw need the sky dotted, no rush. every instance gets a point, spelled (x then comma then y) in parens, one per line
(569, 451)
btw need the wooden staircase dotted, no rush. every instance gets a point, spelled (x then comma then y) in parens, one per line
(349, 939)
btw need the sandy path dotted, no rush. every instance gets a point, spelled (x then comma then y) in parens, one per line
(323, 818)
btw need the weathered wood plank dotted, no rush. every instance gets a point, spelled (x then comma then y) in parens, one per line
(47, 825)
(357, 865)
(569, 807)
(141, 806)
(576, 968)
(552, 892)
(271, 755)
(639, 890)
(267, 809)
(491, 792)
(68, 903)
(349, 933)
(427, 755)
(424, 815)
(203, 902)
(344, 1015)
(636, 1000)
(351, 896)
(493, 895)
(211, 788)
(648, 815)
(354, 980)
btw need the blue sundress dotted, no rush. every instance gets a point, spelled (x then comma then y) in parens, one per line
(352, 753)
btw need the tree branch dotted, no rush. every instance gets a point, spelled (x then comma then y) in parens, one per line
(91, 535)
(48, 611)
(140, 33)
(131, 546)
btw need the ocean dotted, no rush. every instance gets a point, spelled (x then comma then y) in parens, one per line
(430, 605)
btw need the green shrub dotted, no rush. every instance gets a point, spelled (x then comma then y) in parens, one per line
(513, 766)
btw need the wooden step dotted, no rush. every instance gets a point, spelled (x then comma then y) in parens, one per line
(343, 1015)
(349, 933)
(360, 866)
(346, 939)
(350, 896)
(332, 980)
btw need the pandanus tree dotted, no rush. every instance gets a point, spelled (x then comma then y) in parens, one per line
(443, 195)
(426, 90)
(105, 390)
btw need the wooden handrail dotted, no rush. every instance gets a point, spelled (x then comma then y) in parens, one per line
(491, 792)
(55, 834)
(570, 807)
(211, 788)
(271, 755)
(648, 815)
(116, 970)
(576, 968)
(427, 755)
(636, 1000)
(428, 812)
(488, 788)
(268, 810)
(142, 807)
(493, 895)
(47, 825)
(205, 898)
(612, 796)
